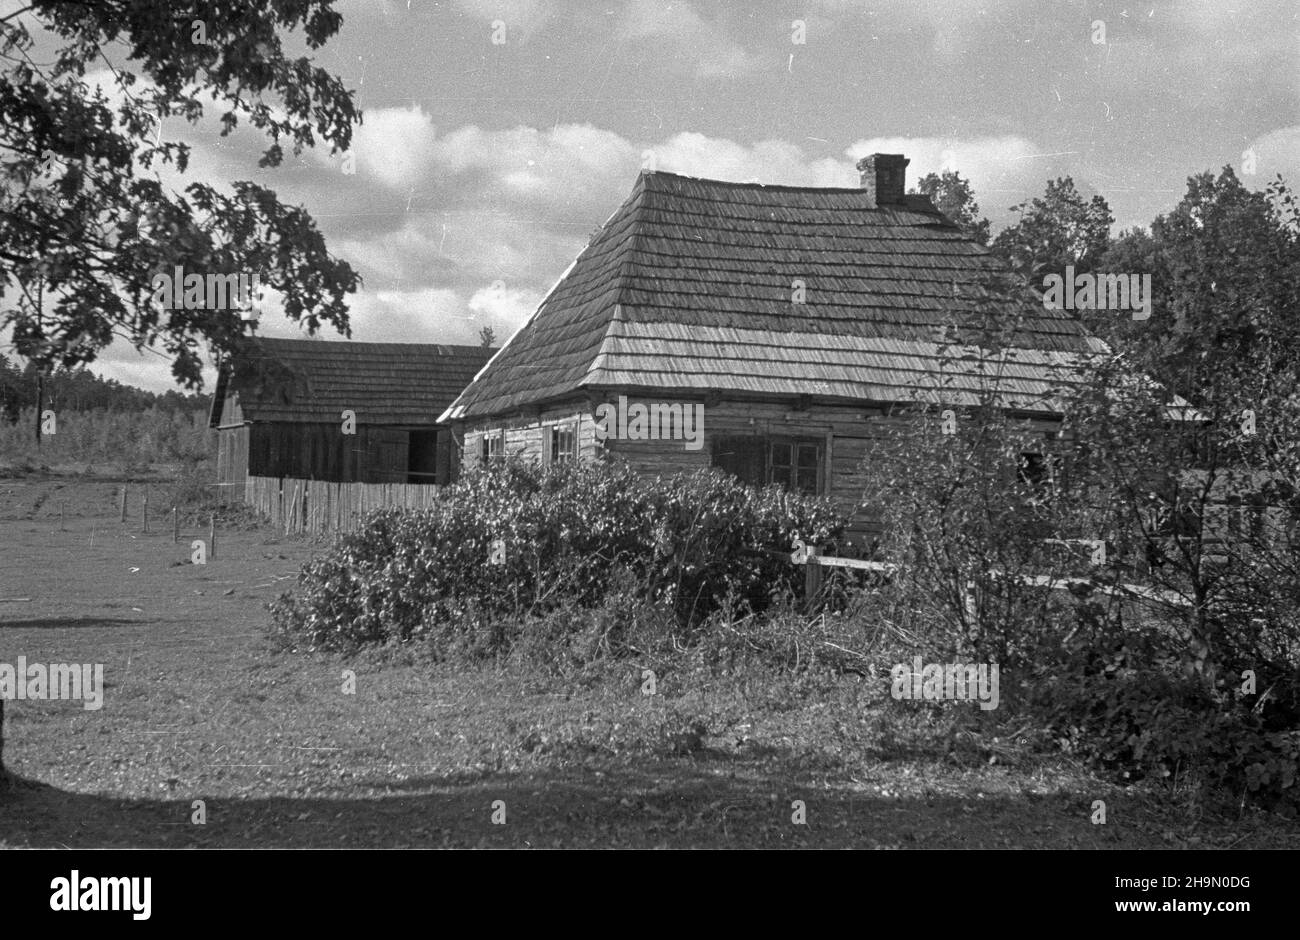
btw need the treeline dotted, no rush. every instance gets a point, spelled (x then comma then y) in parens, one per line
(129, 440)
(78, 390)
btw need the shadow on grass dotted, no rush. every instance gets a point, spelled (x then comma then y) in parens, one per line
(60, 623)
(667, 804)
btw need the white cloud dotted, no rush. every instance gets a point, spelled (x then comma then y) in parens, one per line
(393, 145)
(768, 161)
(540, 165)
(995, 166)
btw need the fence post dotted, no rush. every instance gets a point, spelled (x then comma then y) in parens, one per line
(176, 525)
(212, 535)
(123, 519)
(812, 575)
(145, 514)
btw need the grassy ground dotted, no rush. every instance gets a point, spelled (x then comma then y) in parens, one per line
(197, 707)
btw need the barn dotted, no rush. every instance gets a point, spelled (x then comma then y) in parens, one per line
(792, 320)
(339, 411)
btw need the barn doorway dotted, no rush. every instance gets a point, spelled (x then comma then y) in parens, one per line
(422, 458)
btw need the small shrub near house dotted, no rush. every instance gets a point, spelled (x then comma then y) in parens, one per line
(491, 564)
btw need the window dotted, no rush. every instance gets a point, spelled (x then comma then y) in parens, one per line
(564, 443)
(493, 446)
(745, 458)
(795, 465)
(791, 463)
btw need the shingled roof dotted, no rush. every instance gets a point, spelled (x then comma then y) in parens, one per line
(688, 289)
(295, 380)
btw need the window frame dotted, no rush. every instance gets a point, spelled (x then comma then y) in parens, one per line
(492, 446)
(771, 467)
(556, 453)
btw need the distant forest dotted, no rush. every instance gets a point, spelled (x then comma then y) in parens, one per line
(69, 390)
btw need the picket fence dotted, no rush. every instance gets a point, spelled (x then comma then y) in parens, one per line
(314, 506)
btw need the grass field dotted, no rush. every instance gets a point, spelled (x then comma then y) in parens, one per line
(198, 708)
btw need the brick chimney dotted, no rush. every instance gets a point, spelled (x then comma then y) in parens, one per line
(884, 178)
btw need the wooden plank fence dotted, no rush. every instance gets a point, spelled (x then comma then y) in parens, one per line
(315, 506)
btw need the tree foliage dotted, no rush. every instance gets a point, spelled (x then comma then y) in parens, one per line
(1056, 229)
(86, 218)
(952, 195)
(1174, 654)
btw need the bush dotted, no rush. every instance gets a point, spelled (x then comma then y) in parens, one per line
(1125, 701)
(569, 537)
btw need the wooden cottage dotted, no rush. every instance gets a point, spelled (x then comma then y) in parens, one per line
(284, 411)
(796, 318)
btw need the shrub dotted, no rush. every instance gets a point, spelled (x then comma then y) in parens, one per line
(572, 537)
(1124, 700)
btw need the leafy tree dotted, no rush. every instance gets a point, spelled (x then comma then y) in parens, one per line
(486, 337)
(1227, 291)
(1198, 508)
(952, 195)
(1056, 229)
(86, 220)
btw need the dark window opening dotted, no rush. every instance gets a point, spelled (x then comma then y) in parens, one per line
(793, 464)
(745, 458)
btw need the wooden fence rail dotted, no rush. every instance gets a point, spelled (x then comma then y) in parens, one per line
(315, 506)
(808, 556)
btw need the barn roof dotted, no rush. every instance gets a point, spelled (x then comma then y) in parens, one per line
(313, 380)
(689, 285)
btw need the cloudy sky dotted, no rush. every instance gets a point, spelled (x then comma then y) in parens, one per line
(483, 166)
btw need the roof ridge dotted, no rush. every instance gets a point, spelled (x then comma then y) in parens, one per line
(752, 184)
